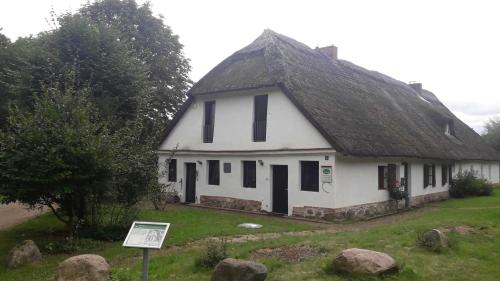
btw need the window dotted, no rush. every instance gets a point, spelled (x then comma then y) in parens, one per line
(260, 118)
(172, 170)
(208, 123)
(249, 174)
(429, 175)
(213, 172)
(309, 175)
(489, 171)
(387, 176)
(444, 174)
(227, 168)
(449, 128)
(382, 177)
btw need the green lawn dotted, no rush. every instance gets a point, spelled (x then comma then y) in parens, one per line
(470, 257)
(187, 224)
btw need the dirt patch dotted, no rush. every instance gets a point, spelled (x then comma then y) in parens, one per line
(16, 213)
(291, 254)
(461, 229)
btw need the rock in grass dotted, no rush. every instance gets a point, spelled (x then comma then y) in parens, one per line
(433, 239)
(83, 268)
(25, 253)
(361, 261)
(239, 270)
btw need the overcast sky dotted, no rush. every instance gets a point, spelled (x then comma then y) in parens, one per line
(451, 47)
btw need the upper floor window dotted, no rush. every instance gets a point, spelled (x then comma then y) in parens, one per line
(309, 175)
(449, 128)
(172, 170)
(213, 172)
(260, 118)
(208, 123)
(429, 175)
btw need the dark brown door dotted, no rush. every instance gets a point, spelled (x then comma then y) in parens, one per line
(190, 182)
(280, 189)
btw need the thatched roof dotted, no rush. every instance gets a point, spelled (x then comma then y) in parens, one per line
(360, 112)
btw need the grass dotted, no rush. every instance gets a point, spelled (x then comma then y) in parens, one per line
(470, 257)
(187, 224)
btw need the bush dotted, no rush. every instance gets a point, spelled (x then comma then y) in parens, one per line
(468, 184)
(216, 252)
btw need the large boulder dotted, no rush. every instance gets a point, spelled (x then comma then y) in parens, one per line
(25, 253)
(239, 270)
(83, 268)
(361, 261)
(434, 240)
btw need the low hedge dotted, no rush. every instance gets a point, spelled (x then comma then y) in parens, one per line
(468, 184)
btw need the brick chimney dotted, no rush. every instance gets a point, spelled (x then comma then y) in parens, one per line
(329, 51)
(416, 86)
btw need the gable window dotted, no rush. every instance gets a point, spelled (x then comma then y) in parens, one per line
(208, 123)
(444, 174)
(260, 118)
(429, 175)
(249, 174)
(213, 172)
(172, 170)
(309, 175)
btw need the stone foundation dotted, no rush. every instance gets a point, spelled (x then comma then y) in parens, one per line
(365, 211)
(362, 211)
(230, 203)
(427, 198)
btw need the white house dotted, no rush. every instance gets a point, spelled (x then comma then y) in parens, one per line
(280, 127)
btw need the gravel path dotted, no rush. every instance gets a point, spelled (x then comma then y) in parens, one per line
(16, 213)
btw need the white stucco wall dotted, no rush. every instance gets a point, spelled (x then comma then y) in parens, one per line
(231, 184)
(489, 170)
(287, 128)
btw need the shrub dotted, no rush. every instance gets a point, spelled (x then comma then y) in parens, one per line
(468, 184)
(216, 252)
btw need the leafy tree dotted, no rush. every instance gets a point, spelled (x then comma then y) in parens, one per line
(156, 47)
(56, 155)
(492, 133)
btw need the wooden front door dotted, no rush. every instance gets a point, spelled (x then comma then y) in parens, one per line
(280, 189)
(190, 183)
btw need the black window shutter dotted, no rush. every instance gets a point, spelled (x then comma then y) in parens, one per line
(433, 175)
(426, 176)
(213, 172)
(249, 174)
(381, 177)
(172, 170)
(260, 118)
(208, 126)
(309, 175)
(444, 174)
(391, 176)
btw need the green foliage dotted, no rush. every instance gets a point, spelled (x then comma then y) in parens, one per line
(62, 155)
(468, 184)
(70, 246)
(154, 45)
(397, 193)
(215, 252)
(130, 61)
(492, 133)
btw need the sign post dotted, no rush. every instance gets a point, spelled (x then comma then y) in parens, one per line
(146, 235)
